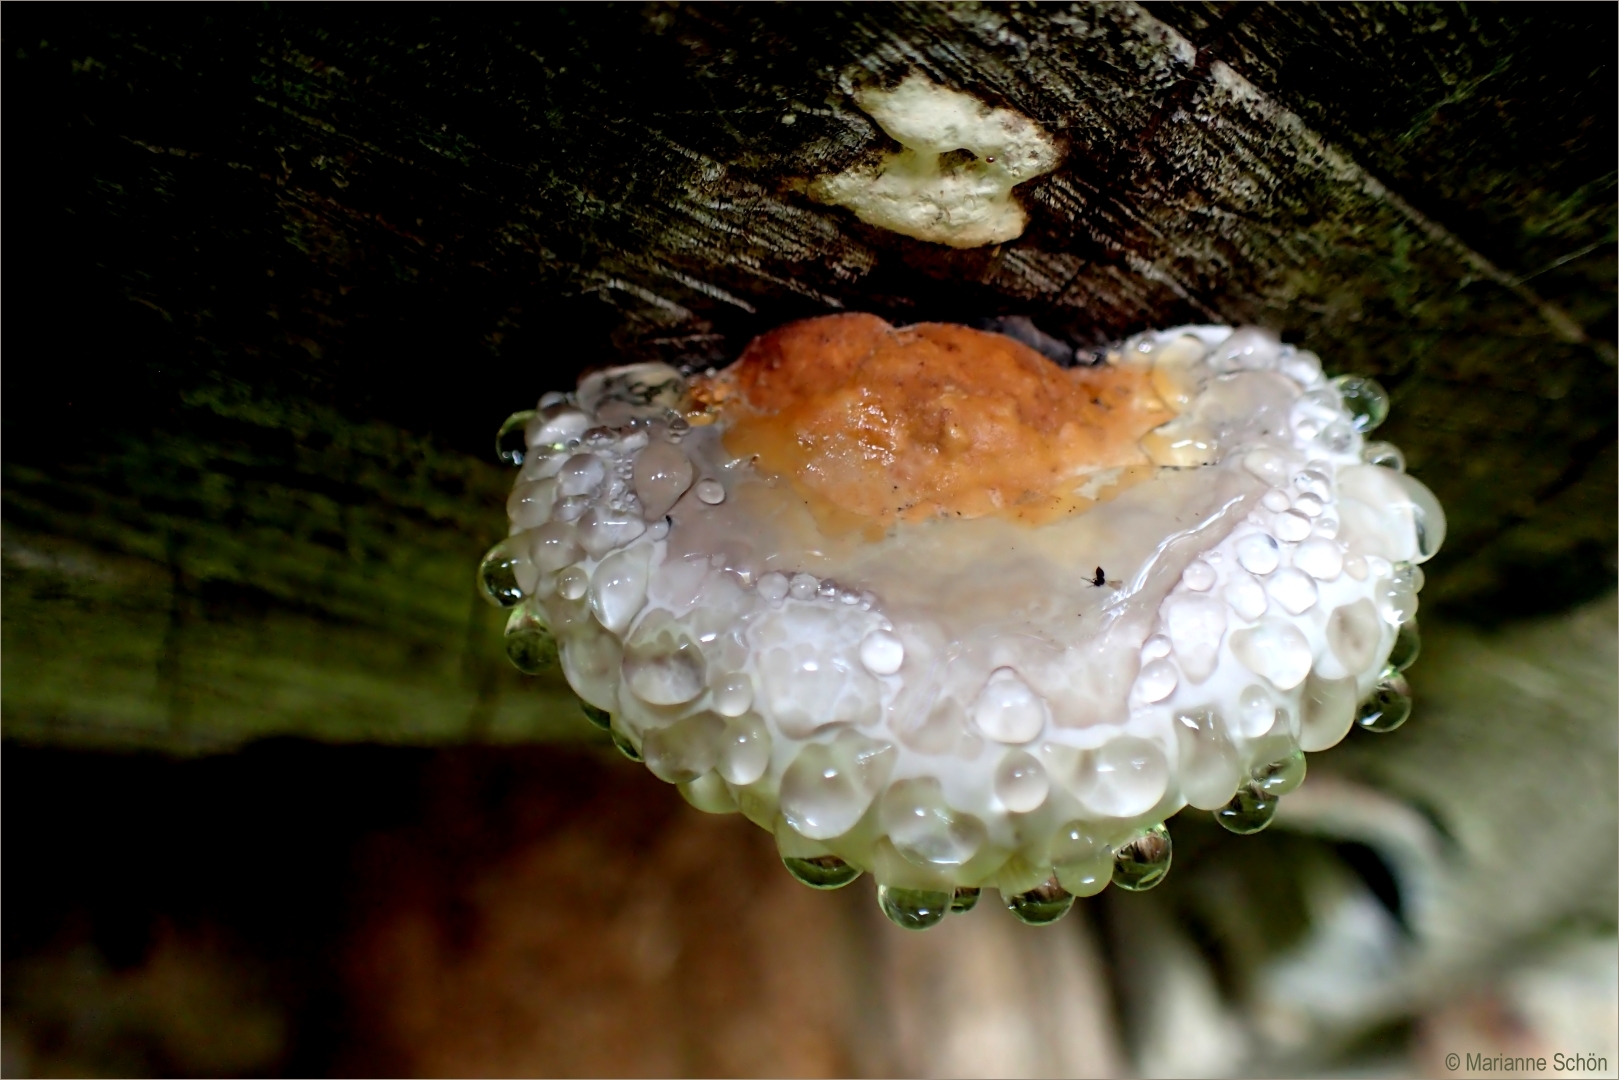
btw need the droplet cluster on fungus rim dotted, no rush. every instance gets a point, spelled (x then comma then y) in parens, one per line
(1015, 686)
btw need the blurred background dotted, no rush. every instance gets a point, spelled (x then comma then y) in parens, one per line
(274, 801)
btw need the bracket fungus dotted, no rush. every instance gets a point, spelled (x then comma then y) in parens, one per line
(925, 604)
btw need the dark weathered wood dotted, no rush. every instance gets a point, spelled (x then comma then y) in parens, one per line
(277, 273)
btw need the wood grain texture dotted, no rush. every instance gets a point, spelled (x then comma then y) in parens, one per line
(286, 269)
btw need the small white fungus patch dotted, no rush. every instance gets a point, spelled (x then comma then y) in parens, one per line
(931, 190)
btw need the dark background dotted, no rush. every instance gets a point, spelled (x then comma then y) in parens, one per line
(274, 275)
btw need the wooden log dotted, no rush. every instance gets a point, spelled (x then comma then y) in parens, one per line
(278, 274)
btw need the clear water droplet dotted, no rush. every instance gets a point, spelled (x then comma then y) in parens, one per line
(1249, 810)
(1275, 649)
(1156, 681)
(1123, 777)
(881, 652)
(829, 786)
(662, 665)
(821, 871)
(1143, 862)
(733, 696)
(773, 586)
(1291, 526)
(530, 645)
(803, 587)
(1385, 454)
(599, 717)
(1427, 516)
(1319, 557)
(1084, 864)
(553, 546)
(1008, 710)
(1366, 402)
(1041, 905)
(685, 750)
(510, 442)
(924, 828)
(530, 503)
(572, 583)
(662, 475)
(497, 573)
(1387, 708)
(1258, 553)
(1199, 576)
(618, 587)
(1256, 712)
(914, 909)
(1209, 770)
(1021, 783)
(745, 752)
(964, 901)
(709, 794)
(601, 529)
(1407, 647)
(1282, 775)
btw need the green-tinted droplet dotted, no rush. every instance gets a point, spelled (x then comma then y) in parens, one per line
(1143, 862)
(497, 575)
(626, 747)
(600, 717)
(913, 909)
(1366, 401)
(510, 445)
(964, 901)
(1407, 647)
(1249, 810)
(821, 871)
(1388, 707)
(531, 649)
(1282, 776)
(1042, 904)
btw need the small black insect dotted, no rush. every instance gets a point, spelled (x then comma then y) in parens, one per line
(1100, 579)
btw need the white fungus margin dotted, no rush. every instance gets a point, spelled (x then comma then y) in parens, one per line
(1254, 601)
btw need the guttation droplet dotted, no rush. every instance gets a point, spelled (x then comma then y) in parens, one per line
(510, 444)
(1283, 775)
(599, 717)
(1366, 402)
(964, 901)
(1045, 903)
(497, 575)
(1385, 454)
(1007, 709)
(1249, 810)
(914, 909)
(1407, 646)
(530, 645)
(1387, 708)
(626, 747)
(1258, 553)
(821, 871)
(882, 653)
(1143, 862)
